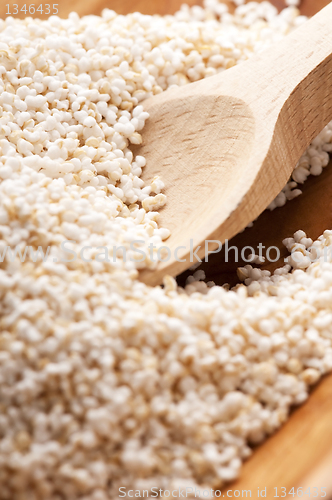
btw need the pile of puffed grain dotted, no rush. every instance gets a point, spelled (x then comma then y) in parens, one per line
(104, 381)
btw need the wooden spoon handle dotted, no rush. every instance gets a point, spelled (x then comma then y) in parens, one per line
(281, 69)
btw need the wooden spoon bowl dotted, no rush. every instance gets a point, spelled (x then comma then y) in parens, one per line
(226, 145)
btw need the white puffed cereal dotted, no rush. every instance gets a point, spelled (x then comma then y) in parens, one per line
(104, 381)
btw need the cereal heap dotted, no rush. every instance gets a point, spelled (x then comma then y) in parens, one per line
(104, 381)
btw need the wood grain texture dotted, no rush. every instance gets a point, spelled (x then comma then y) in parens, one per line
(299, 453)
(296, 456)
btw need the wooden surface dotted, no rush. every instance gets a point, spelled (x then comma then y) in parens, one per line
(225, 149)
(309, 7)
(297, 454)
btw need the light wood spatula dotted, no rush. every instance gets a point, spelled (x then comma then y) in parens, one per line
(225, 146)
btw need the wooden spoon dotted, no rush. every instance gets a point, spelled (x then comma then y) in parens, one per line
(226, 145)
